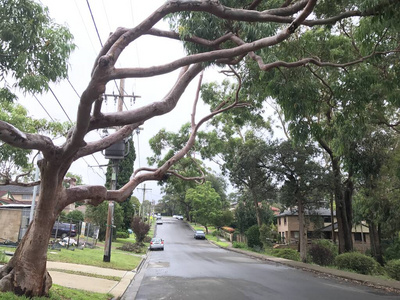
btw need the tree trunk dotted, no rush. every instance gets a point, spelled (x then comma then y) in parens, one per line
(26, 274)
(343, 206)
(258, 215)
(302, 231)
(376, 247)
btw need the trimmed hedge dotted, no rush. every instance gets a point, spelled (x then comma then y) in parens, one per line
(357, 262)
(392, 268)
(287, 253)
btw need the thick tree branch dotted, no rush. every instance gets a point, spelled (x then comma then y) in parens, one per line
(106, 142)
(16, 138)
(154, 109)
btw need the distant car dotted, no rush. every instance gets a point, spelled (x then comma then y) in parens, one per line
(63, 230)
(199, 235)
(179, 217)
(130, 231)
(159, 221)
(157, 244)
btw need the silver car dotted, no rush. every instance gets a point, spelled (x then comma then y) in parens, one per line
(157, 244)
(199, 234)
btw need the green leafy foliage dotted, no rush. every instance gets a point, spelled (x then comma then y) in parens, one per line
(122, 234)
(253, 237)
(239, 245)
(392, 268)
(321, 255)
(206, 203)
(392, 251)
(98, 215)
(287, 253)
(34, 50)
(357, 262)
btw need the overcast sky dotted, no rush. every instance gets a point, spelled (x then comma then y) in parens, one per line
(107, 15)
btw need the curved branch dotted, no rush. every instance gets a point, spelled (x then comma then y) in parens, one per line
(149, 111)
(106, 142)
(16, 138)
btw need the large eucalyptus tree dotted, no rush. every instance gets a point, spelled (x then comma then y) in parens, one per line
(239, 33)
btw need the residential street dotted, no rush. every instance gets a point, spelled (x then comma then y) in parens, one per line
(196, 269)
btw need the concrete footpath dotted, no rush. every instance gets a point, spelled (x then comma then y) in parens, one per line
(86, 281)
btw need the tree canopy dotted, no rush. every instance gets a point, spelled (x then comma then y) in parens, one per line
(240, 35)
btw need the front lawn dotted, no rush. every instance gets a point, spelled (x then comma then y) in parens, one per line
(58, 292)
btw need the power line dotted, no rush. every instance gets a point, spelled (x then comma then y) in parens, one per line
(60, 104)
(43, 107)
(73, 88)
(84, 24)
(94, 22)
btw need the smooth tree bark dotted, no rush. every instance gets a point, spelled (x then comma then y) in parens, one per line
(26, 273)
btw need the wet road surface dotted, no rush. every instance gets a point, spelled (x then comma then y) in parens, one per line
(197, 270)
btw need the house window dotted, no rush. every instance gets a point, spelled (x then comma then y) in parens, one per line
(327, 219)
(284, 220)
(295, 234)
(279, 220)
(358, 237)
(27, 197)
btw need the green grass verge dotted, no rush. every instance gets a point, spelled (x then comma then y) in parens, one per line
(61, 293)
(216, 240)
(120, 260)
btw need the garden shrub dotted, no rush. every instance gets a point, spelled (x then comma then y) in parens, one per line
(265, 235)
(140, 229)
(321, 255)
(239, 245)
(392, 268)
(392, 250)
(328, 244)
(130, 247)
(122, 235)
(287, 253)
(253, 237)
(357, 262)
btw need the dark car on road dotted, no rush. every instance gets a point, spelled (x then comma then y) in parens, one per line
(63, 230)
(199, 234)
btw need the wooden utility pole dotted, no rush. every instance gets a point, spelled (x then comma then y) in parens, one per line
(142, 207)
(115, 162)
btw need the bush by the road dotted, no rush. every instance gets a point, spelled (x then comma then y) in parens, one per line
(239, 245)
(357, 262)
(132, 247)
(253, 237)
(323, 252)
(286, 253)
(392, 268)
(321, 255)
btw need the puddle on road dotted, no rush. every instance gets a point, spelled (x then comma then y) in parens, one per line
(158, 264)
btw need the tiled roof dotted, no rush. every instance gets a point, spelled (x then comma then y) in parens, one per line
(17, 190)
(309, 212)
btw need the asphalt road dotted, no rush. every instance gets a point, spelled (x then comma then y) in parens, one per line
(196, 269)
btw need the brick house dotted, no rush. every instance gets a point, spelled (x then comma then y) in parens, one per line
(319, 225)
